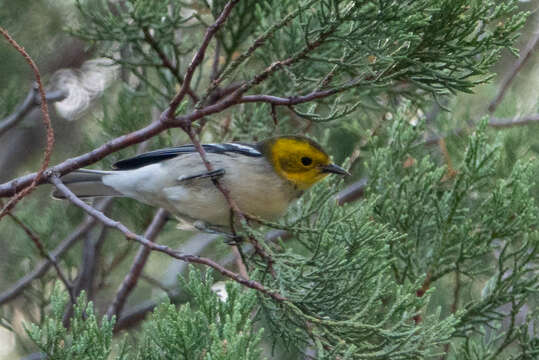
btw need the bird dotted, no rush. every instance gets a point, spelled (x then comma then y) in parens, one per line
(263, 179)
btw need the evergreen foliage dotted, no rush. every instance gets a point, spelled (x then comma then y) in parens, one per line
(87, 338)
(210, 328)
(352, 280)
(429, 47)
(436, 261)
(343, 299)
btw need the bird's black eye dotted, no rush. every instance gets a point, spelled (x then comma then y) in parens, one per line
(306, 161)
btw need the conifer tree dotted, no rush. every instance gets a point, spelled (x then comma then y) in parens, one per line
(428, 251)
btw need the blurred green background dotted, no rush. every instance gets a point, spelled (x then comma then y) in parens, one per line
(95, 96)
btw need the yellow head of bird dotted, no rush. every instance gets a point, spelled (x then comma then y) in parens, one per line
(299, 160)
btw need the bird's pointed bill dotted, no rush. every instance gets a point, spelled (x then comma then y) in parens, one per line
(334, 169)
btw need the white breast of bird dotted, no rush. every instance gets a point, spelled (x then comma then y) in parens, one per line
(253, 185)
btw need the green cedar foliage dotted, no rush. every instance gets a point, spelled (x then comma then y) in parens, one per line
(470, 224)
(87, 338)
(363, 281)
(343, 298)
(434, 259)
(352, 278)
(431, 47)
(208, 328)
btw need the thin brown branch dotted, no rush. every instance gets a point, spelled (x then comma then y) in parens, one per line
(41, 269)
(216, 58)
(352, 192)
(11, 187)
(273, 109)
(131, 279)
(497, 123)
(454, 307)
(86, 275)
(233, 206)
(45, 254)
(167, 63)
(258, 42)
(30, 102)
(235, 210)
(516, 121)
(451, 172)
(160, 248)
(456, 292)
(46, 120)
(287, 62)
(90, 258)
(240, 262)
(517, 66)
(199, 56)
(289, 101)
(420, 292)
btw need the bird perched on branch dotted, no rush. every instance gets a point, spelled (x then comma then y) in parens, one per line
(262, 179)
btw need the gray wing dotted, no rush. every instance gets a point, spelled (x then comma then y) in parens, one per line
(156, 156)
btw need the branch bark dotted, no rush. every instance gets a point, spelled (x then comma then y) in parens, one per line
(45, 254)
(30, 102)
(517, 66)
(167, 63)
(41, 269)
(199, 55)
(160, 248)
(130, 280)
(46, 120)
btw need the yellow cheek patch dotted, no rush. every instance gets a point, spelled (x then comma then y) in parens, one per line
(305, 180)
(286, 154)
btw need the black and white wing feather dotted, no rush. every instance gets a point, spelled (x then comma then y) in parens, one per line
(156, 156)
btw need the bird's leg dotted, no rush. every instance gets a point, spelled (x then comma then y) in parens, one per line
(230, 238)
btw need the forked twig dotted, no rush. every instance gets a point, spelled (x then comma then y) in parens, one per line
(45, 254)
(517, 66)
(160, 248)
(130, 280)
(46, 119)
(41, 269)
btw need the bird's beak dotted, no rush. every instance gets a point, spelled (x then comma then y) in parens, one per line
(334, 169)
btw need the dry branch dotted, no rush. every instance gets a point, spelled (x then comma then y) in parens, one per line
(160, 248)
(45, 254)
(46, 119)
(42, 268)
(167, 63)
(517, 66)
(130, 280)
(199, 56)
(30, 102)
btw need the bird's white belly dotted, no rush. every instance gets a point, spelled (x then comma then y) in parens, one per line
(208, 204)
(254, 187)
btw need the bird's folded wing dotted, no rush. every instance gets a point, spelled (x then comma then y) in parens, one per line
(156, 156)
(214, 174)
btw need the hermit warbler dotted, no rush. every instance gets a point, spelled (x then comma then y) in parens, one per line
(263, 179)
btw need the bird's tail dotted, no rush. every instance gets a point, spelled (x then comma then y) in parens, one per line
(86, 183)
